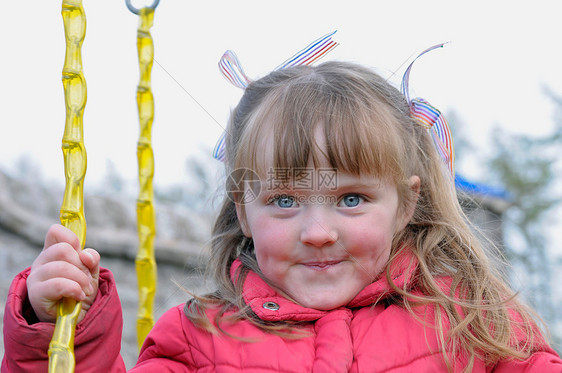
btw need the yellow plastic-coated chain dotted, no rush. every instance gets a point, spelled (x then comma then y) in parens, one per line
(146, 221)
(61, 348)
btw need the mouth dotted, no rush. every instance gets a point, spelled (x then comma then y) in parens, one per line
(320, 266)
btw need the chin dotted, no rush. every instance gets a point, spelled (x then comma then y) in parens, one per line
(324, 305)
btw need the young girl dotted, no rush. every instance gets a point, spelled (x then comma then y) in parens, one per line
(352, 255)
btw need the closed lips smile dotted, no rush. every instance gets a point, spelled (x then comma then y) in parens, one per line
(322, 265)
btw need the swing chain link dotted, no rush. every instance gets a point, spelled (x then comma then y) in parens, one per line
(136, 11)
(145, 261)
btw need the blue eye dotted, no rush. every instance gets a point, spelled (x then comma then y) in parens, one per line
(284, 201)
(351, 200)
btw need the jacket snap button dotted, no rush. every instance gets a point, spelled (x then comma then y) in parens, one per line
(272, 306)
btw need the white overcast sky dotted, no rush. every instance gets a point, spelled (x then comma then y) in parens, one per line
(500, 55)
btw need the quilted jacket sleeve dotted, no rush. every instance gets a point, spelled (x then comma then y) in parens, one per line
(97, 340)
(543, 359)
(166, 348)
(539, 362)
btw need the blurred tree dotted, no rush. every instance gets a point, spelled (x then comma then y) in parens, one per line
(200, 188)
(113, 183)
(27, 169)
(526, 167)
(462, 142)
(202, 174)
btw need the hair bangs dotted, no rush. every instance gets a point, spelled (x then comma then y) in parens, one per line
(360, 136)
(281, 132)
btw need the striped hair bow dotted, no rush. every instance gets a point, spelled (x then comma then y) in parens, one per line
(431, 118)
(232, 70)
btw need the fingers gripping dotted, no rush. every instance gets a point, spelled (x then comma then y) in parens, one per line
(58, 233)
(62, 270)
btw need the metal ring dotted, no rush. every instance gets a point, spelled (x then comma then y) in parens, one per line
(272, 306)
(136, 11)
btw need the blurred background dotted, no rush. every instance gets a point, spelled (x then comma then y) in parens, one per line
(497, 80)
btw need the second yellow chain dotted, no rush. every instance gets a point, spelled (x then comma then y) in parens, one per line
(146, 220)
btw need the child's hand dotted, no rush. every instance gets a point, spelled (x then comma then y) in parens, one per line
(62, 270)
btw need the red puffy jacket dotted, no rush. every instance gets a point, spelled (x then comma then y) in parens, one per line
(357, 338)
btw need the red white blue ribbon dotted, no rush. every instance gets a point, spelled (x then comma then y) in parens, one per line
(232, 70)
(431, 118)
(313, 52)
(230, 67)
(219, 152)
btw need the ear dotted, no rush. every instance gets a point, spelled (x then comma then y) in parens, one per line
(410, 203)
(241, 214)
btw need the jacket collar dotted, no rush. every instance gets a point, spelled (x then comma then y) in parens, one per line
(269, 305)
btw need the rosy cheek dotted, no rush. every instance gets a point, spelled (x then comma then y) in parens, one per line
(272, 232)
(270, 265)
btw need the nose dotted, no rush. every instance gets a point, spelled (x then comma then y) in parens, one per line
(318, 229)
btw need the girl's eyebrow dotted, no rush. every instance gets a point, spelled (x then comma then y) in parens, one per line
(360, 184)
(288, 187)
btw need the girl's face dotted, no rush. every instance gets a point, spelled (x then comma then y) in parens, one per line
(324, 242)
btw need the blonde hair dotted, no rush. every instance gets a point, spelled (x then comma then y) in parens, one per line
(368, 130)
